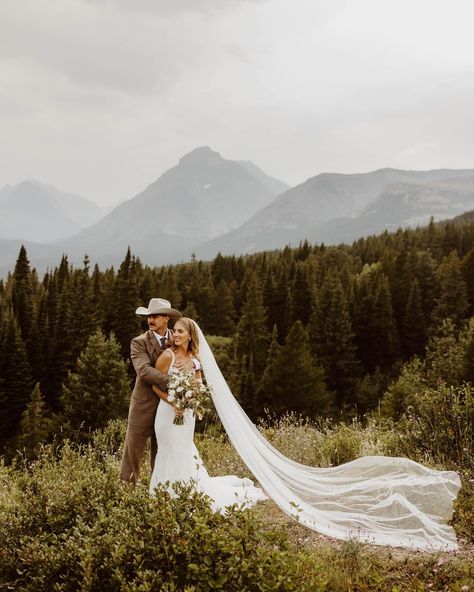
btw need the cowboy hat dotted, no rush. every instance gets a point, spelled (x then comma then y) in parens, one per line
(159, 306)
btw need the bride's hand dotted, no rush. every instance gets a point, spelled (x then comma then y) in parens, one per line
(178, 412)
(183, 364)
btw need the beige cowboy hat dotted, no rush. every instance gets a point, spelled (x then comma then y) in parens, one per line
(159, 306)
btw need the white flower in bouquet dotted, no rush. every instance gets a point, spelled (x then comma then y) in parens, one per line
(185, 391)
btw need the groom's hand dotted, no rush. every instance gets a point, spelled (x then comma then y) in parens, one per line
(185, 364)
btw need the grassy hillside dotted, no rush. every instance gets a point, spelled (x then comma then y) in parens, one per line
(68, 524)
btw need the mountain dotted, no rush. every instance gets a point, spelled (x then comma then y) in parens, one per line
(207, 204)
(203, 196)
(41, 213)
(335, 208)
(275, 185)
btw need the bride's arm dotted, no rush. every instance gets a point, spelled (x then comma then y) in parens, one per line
(163, 364)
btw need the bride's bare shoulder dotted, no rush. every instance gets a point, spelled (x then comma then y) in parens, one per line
(164, 360)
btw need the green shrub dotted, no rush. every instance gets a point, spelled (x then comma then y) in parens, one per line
(67, 524)
(439, 427)
(297, 438)
(343, 445)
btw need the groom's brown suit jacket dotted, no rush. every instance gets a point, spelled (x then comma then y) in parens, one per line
(144, 351)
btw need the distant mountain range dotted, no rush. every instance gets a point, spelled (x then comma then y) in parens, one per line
(334, 208)
(41, 213)
(203, 196)
(207, 204)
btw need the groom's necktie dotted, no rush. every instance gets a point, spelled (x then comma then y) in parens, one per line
(163, 342)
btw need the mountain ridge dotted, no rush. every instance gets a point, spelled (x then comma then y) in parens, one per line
(304, 211)
(40, 212)
(207, 204)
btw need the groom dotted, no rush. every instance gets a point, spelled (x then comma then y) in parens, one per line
(145, 350)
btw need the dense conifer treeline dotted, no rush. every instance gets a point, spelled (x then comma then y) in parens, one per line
(315, 329)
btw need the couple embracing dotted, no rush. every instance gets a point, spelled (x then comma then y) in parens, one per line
(375, 499)
(156, 355)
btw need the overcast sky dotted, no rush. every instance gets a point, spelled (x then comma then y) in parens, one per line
(99, 97)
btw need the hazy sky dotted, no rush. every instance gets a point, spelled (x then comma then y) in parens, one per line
(99, 97)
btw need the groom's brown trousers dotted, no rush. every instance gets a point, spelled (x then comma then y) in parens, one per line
(145, 350)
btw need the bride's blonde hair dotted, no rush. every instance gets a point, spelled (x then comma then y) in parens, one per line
(190, 327)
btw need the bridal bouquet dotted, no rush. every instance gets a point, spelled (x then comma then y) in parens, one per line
(187, 392)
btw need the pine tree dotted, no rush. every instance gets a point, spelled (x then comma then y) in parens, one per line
(126, 325)
(34, 424)
(224, 311)
(331, 339)
(399, 276)
(253, 338)
(169, 287)
(453, 299)
(202, 293)
(370, 390)
(251, 345)
(83, 309)
(22, 296)
(385, 342)
(273, 304)
(428, 282)
(414, 324)
(444, 355)
(15, 372)
(190, 311)
(98, 298)
(292, 380)
(265, 394)
(467, 269)
(206, 308)
(376, 333)
(99, 389)
(221, 269)
(247, 387)
(24, 305)
(301, 296)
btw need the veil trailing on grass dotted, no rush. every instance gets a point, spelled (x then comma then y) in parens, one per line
(375, 499)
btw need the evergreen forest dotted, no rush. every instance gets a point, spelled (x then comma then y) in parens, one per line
(316, 330)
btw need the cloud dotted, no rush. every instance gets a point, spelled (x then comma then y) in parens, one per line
(101, 96)
(172, 7)
(126, 53)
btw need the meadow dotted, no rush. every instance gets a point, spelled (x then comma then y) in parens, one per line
(68, 524)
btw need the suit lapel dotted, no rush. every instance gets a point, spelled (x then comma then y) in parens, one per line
(153, 346)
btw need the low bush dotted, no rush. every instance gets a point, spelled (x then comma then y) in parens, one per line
(438, 427)
(67, 524)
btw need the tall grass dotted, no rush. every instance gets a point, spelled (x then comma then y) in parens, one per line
(67, 523)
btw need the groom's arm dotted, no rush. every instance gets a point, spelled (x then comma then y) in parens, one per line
(143, 366)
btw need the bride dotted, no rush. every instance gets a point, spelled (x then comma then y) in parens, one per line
(178, 458)
(375, 499)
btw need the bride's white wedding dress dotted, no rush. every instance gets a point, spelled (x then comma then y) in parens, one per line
(178, 460)
(376, 499)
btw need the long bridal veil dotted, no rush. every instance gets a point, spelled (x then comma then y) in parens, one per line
(376, 499)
